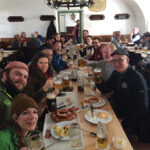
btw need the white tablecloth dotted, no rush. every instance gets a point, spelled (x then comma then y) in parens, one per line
(56, 144)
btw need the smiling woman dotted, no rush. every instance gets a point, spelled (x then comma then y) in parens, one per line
(24, 116)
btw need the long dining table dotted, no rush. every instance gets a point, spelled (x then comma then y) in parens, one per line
(115, 128)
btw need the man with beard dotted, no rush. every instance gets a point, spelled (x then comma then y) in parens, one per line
(97, 55)
(13, 81)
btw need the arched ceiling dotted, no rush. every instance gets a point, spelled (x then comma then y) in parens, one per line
(134, 5)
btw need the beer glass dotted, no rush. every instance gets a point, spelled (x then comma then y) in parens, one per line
(66, 81)
(97, 75)
(35, 140)
(81, 46)
(58, 82)
(75, 136)
(102, 136)
(51, 102)
(80, 62)
(80, 80)
(78, 47)
(92, 84)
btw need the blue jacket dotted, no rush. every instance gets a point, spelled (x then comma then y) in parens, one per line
(57, 63)
(130, 95)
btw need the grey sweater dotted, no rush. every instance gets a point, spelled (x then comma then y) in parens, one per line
(107, 69)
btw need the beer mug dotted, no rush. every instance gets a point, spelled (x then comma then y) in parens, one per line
(66, 83)
(35, 140)
(51, 102)
(97, 75)
(102, 136)
(81, 46)
(58, 82)
(80, 62)
(78, 47)
(75, 136)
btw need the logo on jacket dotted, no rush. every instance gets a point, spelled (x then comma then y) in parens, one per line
(124, 85)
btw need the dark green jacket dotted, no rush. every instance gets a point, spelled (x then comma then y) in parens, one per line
(5, 104)
(8, 139)
(34, 89)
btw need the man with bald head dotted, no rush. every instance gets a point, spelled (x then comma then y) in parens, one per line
(130, 98)
(13, 81)
(135, 36)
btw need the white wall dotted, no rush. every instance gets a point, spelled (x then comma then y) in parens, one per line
(109, 24)
(32, 11)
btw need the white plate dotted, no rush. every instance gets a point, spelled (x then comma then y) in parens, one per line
(146, 52)
(97, 104)
(66, 72)
(61, 124)
(62, 101)
(97, 119)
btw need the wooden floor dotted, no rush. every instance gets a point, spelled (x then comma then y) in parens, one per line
(141, 146)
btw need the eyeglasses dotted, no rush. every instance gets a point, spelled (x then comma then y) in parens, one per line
(95, 42)
(117, 61)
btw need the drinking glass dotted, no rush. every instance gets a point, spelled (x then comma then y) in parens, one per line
(66, 82)
(102, 136)
(75, 136)
(58, 82)
(80, 80)
(97, 75)
(35, 140)
(51, 102)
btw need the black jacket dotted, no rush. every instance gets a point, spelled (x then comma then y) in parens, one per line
(130, 95)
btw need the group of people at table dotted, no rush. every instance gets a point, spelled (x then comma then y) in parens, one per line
(23, 89)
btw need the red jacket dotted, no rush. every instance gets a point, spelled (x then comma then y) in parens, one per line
(97, 55)
(74, 31)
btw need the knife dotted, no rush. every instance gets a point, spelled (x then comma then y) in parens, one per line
(92, 133)
(91, 107)
(62, 106)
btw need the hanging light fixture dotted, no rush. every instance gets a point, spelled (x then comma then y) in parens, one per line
(69, 3)
(73, 16)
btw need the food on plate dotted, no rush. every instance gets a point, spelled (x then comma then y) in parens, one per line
(64, 114)
(92, 100)
(61, 131)
(64, 101)
(103, 115)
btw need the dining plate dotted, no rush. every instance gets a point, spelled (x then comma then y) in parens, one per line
(98, 104)
(99, 115)
(64, 101)
(146, 52)
(60, 125)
